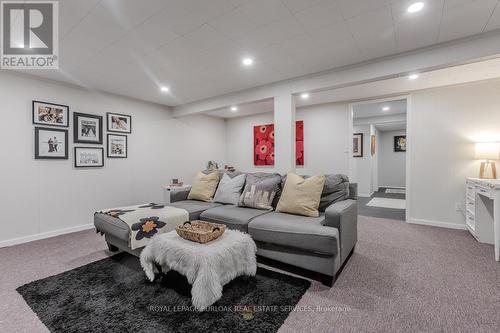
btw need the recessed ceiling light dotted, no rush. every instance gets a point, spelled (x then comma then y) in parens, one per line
(415, 7)
(165, 89)
(234, 108)
(413, 76)
(386, 108)
(304, 95)
(247, 61)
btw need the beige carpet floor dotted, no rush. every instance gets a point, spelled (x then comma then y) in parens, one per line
(401, 278)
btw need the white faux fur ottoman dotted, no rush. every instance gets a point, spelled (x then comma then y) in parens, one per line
(207, 267)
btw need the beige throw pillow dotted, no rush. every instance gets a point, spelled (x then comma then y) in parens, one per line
(204, 186)
(301, 196)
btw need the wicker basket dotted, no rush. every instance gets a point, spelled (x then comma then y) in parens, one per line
(200, 231)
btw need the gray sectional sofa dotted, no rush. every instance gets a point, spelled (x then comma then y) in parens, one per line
(317, 244)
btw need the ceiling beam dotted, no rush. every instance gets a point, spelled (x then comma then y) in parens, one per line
(461, 51)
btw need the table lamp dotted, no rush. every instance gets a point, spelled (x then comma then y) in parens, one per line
(488, 152)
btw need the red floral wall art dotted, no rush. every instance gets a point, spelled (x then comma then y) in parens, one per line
(263, 138)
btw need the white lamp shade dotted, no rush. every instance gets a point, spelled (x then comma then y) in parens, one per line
(487, 151)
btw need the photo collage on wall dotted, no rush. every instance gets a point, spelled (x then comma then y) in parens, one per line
(52, 142)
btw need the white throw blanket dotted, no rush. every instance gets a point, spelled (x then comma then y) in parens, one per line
(147, 220)
(207, 267)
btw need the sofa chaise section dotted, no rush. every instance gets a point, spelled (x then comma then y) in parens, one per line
(117, 232)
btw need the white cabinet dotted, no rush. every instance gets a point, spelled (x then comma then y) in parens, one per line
(470, 200)
(482, 211)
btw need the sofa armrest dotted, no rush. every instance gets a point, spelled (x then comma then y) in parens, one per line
(343, 215)
(179, 194)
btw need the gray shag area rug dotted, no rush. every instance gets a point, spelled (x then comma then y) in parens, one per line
(113, 295)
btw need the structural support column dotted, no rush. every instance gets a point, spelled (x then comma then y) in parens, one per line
(284, 133)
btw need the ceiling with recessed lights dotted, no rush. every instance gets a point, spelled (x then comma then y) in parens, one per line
(378, 109)
(198, 48)
(390, 89)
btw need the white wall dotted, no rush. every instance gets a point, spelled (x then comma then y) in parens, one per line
(375, 157)
(444, 125)
(391, 164)
(326, 139)
(361, 166)
(45, 196)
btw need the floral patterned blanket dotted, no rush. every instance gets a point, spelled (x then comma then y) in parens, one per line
(147, 220)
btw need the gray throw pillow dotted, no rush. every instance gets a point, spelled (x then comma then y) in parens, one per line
(229, 189)
(260, 191)
(336, 189)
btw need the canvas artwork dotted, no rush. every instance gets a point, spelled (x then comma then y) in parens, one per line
(264, 144)
(117, 146)
(87, 128)
(357, 145)
(51, 143)
(119, 123)
(400, 143)
(89, 157)
(50, 114)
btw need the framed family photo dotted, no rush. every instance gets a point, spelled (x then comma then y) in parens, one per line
(89, 157)
(87, 128)
(50, 114)
(117, 146)
(51, 143)
(121, 123)
(357, 145)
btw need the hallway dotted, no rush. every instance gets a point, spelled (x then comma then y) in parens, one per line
(381, 212)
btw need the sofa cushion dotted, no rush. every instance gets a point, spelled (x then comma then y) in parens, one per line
(233, 216)
(336, 189)
(194, 207)
(260, 191)
(294, 231)
(111, 226)
(229, 189)
(301, 196)
(204, 186)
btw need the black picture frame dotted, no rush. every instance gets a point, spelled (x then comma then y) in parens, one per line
(101, 149)
(108, 148)
(76, 116)
(34, 106)
(397, 146)
(109, 122)
(38, 156)
(359, 137)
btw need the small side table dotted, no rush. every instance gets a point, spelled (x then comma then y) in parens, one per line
(167, 189)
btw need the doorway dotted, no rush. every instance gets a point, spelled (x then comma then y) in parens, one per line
(379, 157)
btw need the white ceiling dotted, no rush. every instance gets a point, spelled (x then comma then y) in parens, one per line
(244, 109)
(366, 110)
(133, 47)
(395, 126)
(478, 71)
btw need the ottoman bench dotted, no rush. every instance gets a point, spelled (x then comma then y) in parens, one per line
(207, 267)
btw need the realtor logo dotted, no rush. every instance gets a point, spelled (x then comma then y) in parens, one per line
(29, 35)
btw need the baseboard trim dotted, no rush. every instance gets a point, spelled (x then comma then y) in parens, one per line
(49, 234)
(438, 224)
(365, 195)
